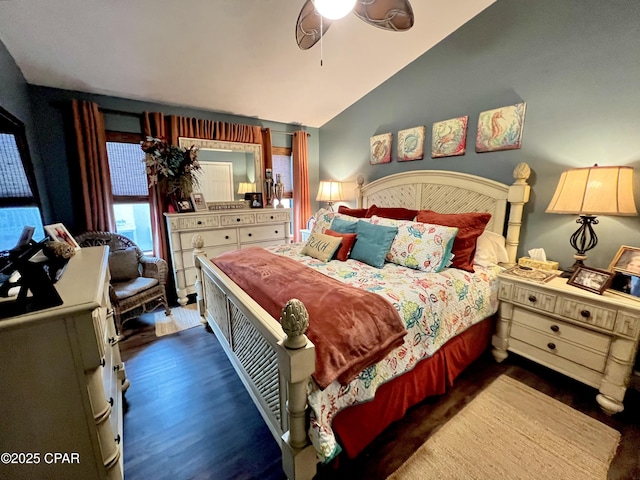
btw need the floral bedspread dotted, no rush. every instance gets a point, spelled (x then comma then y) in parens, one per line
(435, 307)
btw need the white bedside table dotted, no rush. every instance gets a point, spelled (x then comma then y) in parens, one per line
(591, 338)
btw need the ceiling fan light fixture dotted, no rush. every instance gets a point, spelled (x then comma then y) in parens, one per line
(334, 9)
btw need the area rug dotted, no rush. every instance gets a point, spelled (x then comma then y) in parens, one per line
(181, 318)
(511, 431)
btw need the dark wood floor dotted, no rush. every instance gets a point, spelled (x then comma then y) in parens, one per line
(188, 416)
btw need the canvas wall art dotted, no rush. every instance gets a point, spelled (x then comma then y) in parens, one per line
(411, 144)
(449, 137)
(380, 149)
(501, 128)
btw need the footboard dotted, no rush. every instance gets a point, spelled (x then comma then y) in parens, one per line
(274, 362)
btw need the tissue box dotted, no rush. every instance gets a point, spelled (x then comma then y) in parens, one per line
(540, 265)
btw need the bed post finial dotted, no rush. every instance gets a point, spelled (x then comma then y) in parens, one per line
(518, 195)
(294, 321)
(359, 185)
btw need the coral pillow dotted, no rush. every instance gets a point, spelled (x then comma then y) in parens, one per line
(470, 227)
(348, 239)
(354, 212)
(395, 213)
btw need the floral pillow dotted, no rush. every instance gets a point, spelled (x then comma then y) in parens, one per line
(324, 218)
(419, 245)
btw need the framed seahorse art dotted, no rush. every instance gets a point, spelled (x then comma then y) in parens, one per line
(501, 128)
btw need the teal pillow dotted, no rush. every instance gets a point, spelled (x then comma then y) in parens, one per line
(372, 243)
(343, 226)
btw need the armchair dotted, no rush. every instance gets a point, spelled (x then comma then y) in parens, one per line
(137, 281)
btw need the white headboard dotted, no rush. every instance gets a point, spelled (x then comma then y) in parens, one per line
(455, 192)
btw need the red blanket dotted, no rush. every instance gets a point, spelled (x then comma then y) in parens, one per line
(351, 328)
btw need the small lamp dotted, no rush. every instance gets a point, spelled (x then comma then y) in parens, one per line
(246, 187)
(330, 192)
(589, 192)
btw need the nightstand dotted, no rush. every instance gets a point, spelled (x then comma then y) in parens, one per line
(305, 232)
(591, 338)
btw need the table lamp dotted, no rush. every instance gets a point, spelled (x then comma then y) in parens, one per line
(588, 192)
(329, 191)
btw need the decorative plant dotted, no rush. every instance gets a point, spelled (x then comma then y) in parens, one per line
(173, 169)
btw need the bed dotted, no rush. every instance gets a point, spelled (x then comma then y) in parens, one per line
(277, 362)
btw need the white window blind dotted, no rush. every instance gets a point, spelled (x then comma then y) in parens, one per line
(282, 164)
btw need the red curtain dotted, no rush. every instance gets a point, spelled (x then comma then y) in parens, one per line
(301, 193)
(93, 166)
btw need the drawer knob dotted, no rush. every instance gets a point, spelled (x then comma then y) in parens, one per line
(199, 222)
(226, 237)
(112, 341)
(102, 362)
(276, 232)
(552, 346)
(117, 439)
(250, 234)
(116, 368)
(585, 313)
(237, 219)
(555, 328)
(111, 401)
(271, 217)
(532, 298)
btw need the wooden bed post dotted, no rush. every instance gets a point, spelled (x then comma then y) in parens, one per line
(518, 195)
(297, 361)
(197, 243)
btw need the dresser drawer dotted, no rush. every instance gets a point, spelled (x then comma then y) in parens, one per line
(587, 313)
(239, 219)
(273, 216)
(226, 236)
(579, 354)
(204, 221)
(531, 297)
(261, 233)
(564, 331)
(211, 252)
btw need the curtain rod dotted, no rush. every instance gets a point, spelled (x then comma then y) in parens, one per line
(287, 133)
(119, 112)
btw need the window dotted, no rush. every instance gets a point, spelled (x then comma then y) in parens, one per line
(130, 189)
(282, 164)
(19, 203)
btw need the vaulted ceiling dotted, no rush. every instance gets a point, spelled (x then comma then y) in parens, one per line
(233, 56)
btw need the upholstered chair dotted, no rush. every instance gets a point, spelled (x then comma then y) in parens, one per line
(138, 281)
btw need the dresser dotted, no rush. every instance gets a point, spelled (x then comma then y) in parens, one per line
(221, 231)
(62, 382)
(591, 338)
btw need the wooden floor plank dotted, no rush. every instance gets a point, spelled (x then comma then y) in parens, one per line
(188, 416)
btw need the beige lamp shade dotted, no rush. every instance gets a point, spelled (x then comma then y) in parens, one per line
(246, 187)
(595, 191)
(329, 191)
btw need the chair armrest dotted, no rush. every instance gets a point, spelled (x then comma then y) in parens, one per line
(155, 267)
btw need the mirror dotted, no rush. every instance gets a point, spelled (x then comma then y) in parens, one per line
(243, 162)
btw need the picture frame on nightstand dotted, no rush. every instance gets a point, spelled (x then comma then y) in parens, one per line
(591, 279)
(625, 267)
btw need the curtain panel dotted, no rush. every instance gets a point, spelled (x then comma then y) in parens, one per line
(301, 193)
(93, 166)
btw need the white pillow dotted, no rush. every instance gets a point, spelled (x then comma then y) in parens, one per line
(490, 249)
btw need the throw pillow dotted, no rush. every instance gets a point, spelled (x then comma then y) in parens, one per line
(324, 219)
(395, 213)
(354, 212)
(373, 243)
(321, 246)
(123, 264)
(344, 226)
(348, 239)
(470, 226)
(421, 246)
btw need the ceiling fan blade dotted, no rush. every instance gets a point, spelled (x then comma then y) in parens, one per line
(308, 26)
(394, 15)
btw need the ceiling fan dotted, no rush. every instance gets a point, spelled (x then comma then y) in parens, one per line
(394, 15)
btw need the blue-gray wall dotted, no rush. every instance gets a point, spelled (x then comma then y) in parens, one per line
(14, 97)
(576, 63)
